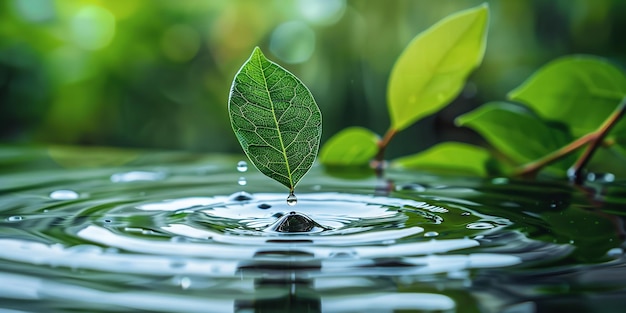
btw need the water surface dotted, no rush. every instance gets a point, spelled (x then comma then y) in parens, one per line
(110, 231)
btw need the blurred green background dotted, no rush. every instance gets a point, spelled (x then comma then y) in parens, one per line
(156, 73)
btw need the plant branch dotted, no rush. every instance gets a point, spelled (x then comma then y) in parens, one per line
(594, 139)
(383, 143)
(531, 169)
(379, 160)
(583, 160)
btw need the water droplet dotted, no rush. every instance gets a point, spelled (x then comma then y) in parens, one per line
(466, 213)
(242, 166)
(14, 218)
(615, 252)
(480, 225)
(184, 282)
(64, 195)
(431, 234)
(291, 199)
(601, 177)
(242, 181)
(264, 206)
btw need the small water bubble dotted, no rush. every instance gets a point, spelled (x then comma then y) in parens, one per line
(184, 282)
(601, 177)
(242, 166)
(64, 195)
(431, 234)
(291, 199)
(264, 206)
(480, 225)
(15, 218)
(615, 252)
(242, 181)
(466, 214)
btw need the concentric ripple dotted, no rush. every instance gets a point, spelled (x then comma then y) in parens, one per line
(189, 237)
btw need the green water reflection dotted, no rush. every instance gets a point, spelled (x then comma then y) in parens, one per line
(117, 230)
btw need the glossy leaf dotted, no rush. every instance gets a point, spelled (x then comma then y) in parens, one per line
(275, 119)
(452, 157)
(516, 132)
(432, 70)
(579, 91)
(353, 146)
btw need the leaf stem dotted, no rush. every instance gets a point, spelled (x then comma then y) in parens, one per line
(575, 172)
(594, 139)
(383, 143)
(531, 169)
(378, 163)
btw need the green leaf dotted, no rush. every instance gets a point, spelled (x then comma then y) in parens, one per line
(579, 91)
(275, 118)
(432, 70)
(516, 132)
(451, 157)
(353, 146)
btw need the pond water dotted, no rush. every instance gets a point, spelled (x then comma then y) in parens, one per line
(171, 232)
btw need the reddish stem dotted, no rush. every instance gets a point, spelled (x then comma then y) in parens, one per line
(531, 169)
(576, 170)
(594, 139)
(379, 161)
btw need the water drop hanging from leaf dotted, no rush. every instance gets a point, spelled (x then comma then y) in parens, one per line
(275, 119)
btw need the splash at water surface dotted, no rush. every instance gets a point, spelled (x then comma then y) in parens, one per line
(191, 240)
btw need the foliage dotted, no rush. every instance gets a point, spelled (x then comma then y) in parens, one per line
(432, 69)
(341, 150)
(428, 75)
(275, 119)
(565, 89)
(452, 157)
(570, 103)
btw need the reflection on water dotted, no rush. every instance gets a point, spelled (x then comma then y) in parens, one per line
(171, 233)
